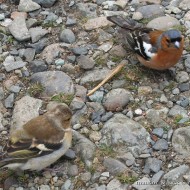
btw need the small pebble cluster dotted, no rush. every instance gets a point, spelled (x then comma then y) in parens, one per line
(132, 133)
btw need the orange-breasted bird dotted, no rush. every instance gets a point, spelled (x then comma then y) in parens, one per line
(155, 49)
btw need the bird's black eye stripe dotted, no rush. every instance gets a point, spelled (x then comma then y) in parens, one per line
(176, 39)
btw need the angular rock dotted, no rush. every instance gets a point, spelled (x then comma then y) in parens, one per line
(152, 165)
(37, 33)
(116, 184)
(116, 99)
(161, 144)
(28, 6)
(54, 82)
(38, 66)
(18, 28)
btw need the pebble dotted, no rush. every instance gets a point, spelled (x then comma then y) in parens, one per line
(161, 144)
(158, 132)
(85, 62)
(67, 36)
(9, 101)
(182, 77)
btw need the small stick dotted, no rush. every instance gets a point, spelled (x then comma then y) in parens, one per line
(113, 72)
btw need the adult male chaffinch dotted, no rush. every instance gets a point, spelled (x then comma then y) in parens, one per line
(40, 142)
(155, 49)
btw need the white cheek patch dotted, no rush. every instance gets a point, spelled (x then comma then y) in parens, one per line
(177, 44)
(147, 49)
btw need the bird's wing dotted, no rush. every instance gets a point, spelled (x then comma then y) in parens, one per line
(136, 37)
(23, 150)
(45, 128)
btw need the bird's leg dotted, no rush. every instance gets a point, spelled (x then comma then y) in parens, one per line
(113, 72)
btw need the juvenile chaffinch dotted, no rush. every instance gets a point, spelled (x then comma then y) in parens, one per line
(40, 142)
(155, 49)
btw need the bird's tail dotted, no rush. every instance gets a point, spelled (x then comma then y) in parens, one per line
(126, 23)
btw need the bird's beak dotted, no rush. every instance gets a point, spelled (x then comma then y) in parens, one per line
(177, 44)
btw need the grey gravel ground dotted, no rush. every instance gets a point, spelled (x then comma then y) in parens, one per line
(133, 133)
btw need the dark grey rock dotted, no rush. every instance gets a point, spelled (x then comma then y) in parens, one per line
(54, 82)
(107, 116)
(114, 166)
(149, 11)
(39, 46)
(85, 62)
(38, 66)
(9, 101)
(152, 165)
(79, 115)
(80, 50)
(184, 87)
(45, 3)
(161, 144)
(158, 132)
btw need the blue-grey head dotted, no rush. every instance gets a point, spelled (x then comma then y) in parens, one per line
(173, 38)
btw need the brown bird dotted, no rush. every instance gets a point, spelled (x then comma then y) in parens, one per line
(40, 142)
